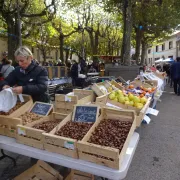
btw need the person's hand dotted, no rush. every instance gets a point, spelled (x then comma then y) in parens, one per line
(17, 90)
(5, 87)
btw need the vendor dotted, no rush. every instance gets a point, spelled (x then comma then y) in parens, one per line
(28, 78)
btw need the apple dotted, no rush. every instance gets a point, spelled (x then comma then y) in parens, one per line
(143, 100)
(112, 96)
(126, 99)
(131, 103)
(136, 99)
(139, 105)
(131, 97)
(127, 103)
(121, 99)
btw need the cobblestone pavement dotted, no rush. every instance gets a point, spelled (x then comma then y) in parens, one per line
(157, 156)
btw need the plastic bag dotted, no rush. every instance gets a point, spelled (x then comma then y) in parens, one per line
(8, 99)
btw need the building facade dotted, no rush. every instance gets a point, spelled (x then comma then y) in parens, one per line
(167, 49)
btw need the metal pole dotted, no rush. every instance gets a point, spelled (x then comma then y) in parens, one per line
(19, 24)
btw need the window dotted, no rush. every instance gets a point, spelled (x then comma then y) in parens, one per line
(170, 44)
(149, 51)
(163, 47)
(156, 48)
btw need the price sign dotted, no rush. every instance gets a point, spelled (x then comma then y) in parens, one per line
(41, 108)
(86, 113)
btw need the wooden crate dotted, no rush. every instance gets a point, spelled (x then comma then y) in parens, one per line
(90, 152)
(146, 83)
(98, 91)
(65, 103)
(40, 171)
(59, 144)
(79, 175)
(28, 103)
(117, 85)
(8, 123)
(139, 113)
(33, 137)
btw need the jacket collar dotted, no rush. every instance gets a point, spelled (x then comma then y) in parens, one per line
(29, 68)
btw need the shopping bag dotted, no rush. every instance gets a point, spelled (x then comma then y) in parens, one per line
(8, 99)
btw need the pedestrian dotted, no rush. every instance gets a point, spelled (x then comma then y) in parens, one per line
(4, 58)
(175, 75)
(74, 72)
(7, 68)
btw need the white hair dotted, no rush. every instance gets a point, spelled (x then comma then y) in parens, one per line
(23, 51)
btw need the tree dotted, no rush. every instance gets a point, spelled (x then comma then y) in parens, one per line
(27, 9)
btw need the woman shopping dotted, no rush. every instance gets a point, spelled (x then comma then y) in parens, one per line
(28, 78)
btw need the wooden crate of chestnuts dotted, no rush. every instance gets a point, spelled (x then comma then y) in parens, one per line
(64, 137)
(65, 103)
(107, 141)
(8, 120)
(31, 133)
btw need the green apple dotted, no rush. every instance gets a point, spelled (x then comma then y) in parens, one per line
(131, 97)
(116, 99)
(131, 103)
(121, 99)
(143, 100)
(136, 99)
(127, 103)
(112, 96)
(139, 105)
(126, 99)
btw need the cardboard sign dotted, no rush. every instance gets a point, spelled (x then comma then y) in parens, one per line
(41, 108)
(86, 113)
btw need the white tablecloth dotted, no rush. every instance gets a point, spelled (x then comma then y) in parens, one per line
(10, 144)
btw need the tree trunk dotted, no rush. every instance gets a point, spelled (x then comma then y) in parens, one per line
(138, 44)
(67, 56)
(96, 43)
(91, 38)
(127, 29)
(12, 38)
(143, 53)
(61, 40)
(43, 53)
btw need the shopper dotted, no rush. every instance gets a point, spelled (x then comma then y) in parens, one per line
(28, 78)
(175, 75)
(74, 72)
(4, 58)
(7, 68)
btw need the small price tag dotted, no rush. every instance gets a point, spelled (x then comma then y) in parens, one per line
(69, 145)
(67, 98)
(21, 131)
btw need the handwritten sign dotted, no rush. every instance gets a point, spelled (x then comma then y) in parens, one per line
(85, 113)
(41, 108)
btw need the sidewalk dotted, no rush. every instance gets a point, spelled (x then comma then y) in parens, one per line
(157, 156)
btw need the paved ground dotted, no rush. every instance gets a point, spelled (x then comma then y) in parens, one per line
(158, 153)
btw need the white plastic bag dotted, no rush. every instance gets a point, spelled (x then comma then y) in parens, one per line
(8, 99)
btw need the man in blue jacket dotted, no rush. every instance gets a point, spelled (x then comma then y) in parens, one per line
(175, 75)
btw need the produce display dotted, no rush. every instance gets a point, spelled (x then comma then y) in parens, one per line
(17, 106)
(142, 91)
(128, 99)
(29, 117)
(111, 133)
(47, 126)
(74, 130)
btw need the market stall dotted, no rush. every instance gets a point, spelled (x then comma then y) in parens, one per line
(67, 133)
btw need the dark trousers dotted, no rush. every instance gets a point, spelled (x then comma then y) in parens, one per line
(177, 86)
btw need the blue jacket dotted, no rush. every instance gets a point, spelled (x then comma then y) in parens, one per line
(175, 70)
